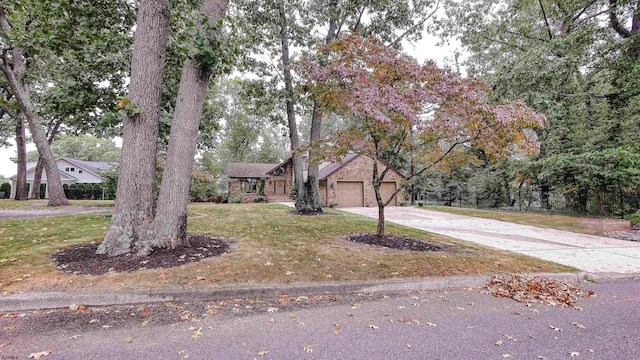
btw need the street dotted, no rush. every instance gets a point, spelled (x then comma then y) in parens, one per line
(462, 323)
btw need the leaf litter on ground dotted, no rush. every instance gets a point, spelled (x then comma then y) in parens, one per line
(536, 290)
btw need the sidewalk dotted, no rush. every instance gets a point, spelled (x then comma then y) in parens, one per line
(591, 254)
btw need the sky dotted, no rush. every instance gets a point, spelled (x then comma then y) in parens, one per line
(425, 49)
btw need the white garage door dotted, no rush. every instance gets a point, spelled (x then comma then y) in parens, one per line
(350, 194)
(386, 190)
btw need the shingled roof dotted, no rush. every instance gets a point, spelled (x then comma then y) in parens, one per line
(249, 170)
(325, 171)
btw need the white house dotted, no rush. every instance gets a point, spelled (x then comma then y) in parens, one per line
(72, 171)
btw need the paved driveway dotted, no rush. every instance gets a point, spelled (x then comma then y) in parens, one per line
(588, 253)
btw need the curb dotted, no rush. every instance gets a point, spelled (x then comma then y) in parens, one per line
(31, 301)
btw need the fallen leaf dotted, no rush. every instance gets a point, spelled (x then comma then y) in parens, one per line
(407, 345)
(308, 348)
(144, 323)
(509, 337)
(40, 354)
(292, 316)
(531, 336)
(498, 343)
(555, 328)
(162, 276)
(355, 306)
(262, 353)
(146, 313)
(374, 327)
(5, 344)
(432, 324)
(590, 350)
(128, 340)
(574, 354)
(213, 312)
(506, 356)
(272, 320)
(272, 309)
(543, 358)
(196, 334)
(201, 278)
(337, 330)
(75, 337)
(415, 322)
(93, 321)
(578, 325)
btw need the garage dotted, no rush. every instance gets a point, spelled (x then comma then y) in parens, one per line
(350, 194)
(386, 190)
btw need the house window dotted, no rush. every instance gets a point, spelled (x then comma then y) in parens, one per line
(73, 169)
(249, 186)
(79, 171)
(66, 169)
(281, 171)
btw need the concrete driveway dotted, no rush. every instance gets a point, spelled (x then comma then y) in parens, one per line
(592, 254)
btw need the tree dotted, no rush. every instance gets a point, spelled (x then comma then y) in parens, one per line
(576, 61)
(305, 25)
(13, 66)
(83, 147)
(135, 220)
(399, 108)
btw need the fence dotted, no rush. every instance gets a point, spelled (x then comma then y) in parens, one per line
(615, 203)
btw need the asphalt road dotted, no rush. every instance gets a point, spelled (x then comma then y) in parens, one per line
(451, 324)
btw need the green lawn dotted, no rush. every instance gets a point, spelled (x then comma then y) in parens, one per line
(274, 247)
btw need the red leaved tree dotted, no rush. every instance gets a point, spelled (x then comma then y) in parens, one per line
(411, 117)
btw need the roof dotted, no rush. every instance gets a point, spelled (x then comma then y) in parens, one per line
(332, 167)
(92, 166)
(249, 170)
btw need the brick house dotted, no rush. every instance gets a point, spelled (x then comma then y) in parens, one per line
(342, 184)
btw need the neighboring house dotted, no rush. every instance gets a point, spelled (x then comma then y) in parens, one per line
(342, 184)
(72, 171)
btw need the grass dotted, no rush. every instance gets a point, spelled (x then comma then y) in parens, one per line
(9, 204)
(274, 247)
(582, 225)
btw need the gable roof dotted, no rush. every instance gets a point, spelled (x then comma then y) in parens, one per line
(90, 166)
(332, 167)
(249, 170)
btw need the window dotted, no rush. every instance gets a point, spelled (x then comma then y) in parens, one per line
(249, 186)
(281, 171)
(79, 171)
(73, 169)
(66, 169)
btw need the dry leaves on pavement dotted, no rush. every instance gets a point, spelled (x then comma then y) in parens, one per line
(536, 290)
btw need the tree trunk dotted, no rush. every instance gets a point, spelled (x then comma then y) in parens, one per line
(37, 176)
(136, 180)
(21, 92)
(296, 158)
(169, 227)
(21, 177)
(312, 203)
(380, 230)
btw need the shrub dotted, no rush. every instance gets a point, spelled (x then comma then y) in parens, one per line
(6, 187)
(635, 220)
(236, 198)
(260, 199)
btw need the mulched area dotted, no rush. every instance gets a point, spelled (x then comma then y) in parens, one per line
(633, 235)
(395, 242)
(82, 259)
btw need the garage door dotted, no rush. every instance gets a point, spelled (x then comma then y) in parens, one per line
(386, 190)
(350, 194)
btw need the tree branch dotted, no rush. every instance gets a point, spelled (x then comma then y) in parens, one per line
(615, 23)
(501, 42)
(415, 26)
(546, 21)
(355, 27)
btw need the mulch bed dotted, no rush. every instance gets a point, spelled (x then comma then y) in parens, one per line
(395, 242)
(82, 259)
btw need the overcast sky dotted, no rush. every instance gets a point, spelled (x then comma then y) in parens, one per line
(423, 50)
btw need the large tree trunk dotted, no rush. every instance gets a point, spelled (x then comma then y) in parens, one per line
(311, 197)
(21, 145)
(296, 158)
(135, 193)
(14, 69)
(37, 176)
(169, 228)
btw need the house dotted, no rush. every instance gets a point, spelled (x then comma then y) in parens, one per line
(346, 183)
(71, 171)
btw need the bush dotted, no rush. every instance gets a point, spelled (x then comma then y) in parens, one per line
(260, 199)
(236, 198)
(635, 220)
(6, 187)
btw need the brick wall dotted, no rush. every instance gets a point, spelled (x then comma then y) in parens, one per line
(358, 169)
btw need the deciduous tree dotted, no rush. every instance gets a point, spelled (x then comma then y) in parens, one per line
(400, 108)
